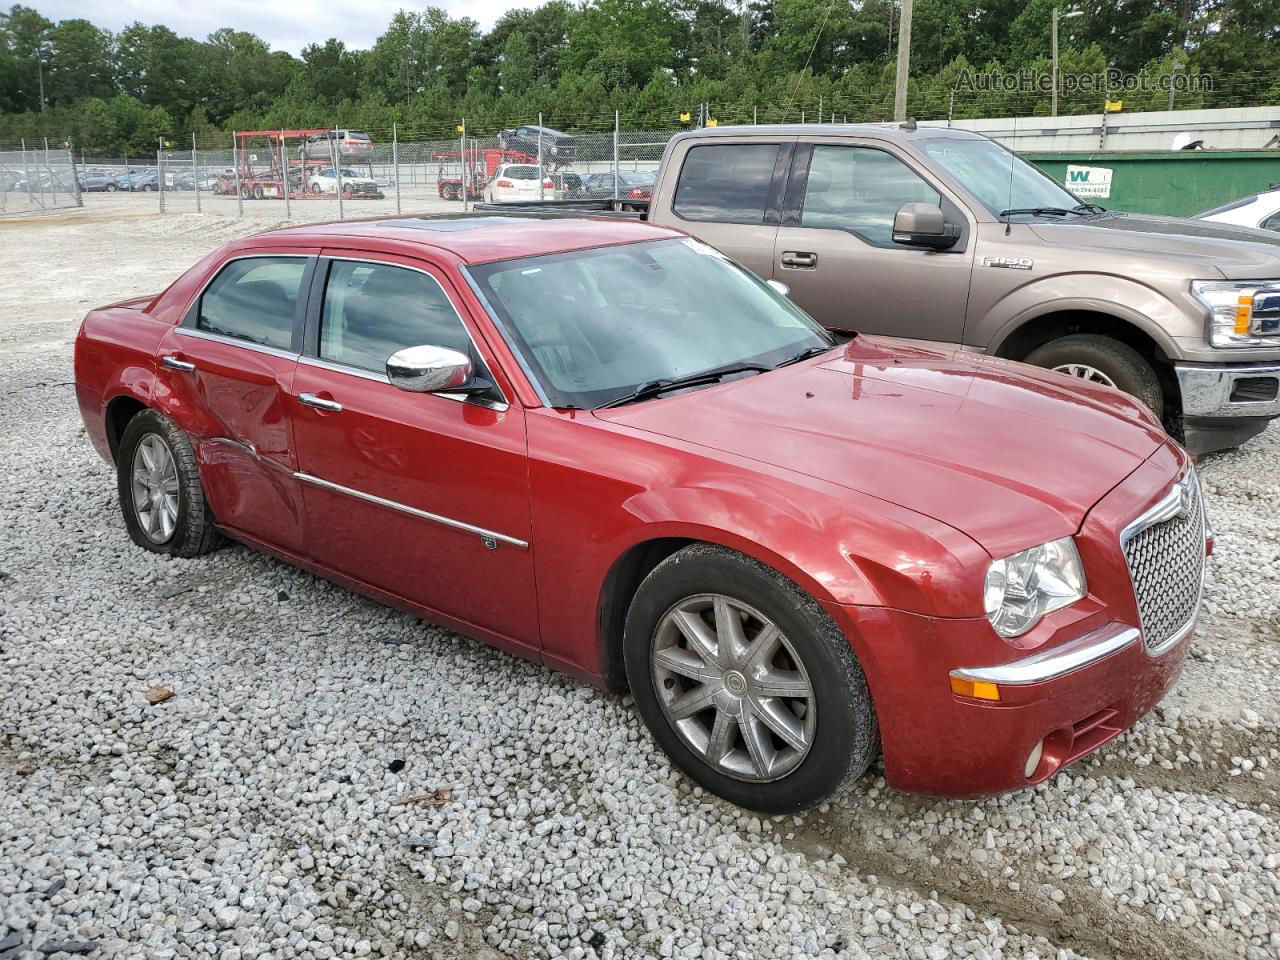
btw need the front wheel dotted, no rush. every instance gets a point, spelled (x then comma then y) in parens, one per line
(746, 682)
(1103, 360)
(160, 493)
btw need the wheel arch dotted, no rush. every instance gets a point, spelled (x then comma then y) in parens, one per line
(119, 411)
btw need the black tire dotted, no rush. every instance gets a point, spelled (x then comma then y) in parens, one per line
(845, 738)
(111, 188)
(193, 531)
(258, 192)
(1119, 362)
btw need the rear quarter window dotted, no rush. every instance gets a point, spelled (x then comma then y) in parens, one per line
(254, 299)
(726, 183)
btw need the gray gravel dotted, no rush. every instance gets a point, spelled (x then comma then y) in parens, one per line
(255, 814)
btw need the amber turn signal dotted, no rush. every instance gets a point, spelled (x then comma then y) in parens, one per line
(978, 689)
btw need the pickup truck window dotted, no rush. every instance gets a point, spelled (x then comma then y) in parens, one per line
(1000, 179)
(594, 325)
(860, 189)
(726, 183)
(371, 310)
(253, 299)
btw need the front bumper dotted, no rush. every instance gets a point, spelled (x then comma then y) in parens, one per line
(1229, 389)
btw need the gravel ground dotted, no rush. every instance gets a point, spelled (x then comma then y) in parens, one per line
(256, 813)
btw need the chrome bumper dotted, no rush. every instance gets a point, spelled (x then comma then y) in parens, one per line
(1057, 661)
(1229, 390)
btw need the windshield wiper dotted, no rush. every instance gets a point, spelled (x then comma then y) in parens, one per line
(1039, 211)
(654, 388)
(804, 354)
(1088, 208)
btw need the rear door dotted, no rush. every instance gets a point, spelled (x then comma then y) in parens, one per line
(728, 192)
(835, 248)
(425, 496)
(229, 367)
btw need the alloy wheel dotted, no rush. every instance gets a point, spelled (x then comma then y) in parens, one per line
(731, 684)
(1085, 372)
(155, 488)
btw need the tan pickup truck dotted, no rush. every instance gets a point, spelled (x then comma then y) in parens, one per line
(942, 235)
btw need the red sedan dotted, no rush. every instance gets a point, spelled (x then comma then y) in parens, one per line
(607, 447)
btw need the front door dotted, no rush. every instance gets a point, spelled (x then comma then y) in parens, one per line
(229, 366)
(835, 248)
(425, 496)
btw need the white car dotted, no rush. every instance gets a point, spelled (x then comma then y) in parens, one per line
(519, 182)
(326, 181)
(1258, 210)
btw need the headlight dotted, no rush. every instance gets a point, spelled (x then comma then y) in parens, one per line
(1021, 589)
(1241, 313)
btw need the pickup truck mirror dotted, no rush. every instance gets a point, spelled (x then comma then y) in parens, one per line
(429, 369)
(924, 225)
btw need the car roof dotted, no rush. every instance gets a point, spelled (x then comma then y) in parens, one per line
(472, 239)
(883, 131)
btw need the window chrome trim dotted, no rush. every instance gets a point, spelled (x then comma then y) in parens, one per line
(337, 367)
(486, 536)
(498, 406)
(235, 342)
(1056, 661)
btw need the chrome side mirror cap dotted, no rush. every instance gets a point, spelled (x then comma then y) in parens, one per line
(779, 287)
(429, 369)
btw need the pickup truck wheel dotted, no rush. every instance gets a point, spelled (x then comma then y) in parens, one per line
(746, 682)
(1103, 360)
(160, 494)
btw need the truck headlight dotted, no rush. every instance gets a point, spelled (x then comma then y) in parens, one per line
(1241, 313)
(1021, 589)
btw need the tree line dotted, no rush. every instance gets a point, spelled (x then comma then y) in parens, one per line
(651, 60)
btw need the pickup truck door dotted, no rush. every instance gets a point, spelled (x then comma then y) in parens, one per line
(424, 496)
(835, 250)
(728, 192)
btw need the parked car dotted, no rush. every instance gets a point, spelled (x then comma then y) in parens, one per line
(144, 181)
(353, 184)
(348, 144)
(608, 447)
(519, 181)
(558, 148)
(1261, 210)
(97, 183)
(945, 236)
(631, 185)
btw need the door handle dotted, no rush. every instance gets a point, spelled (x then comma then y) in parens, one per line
(799, 260)
(173, 363)
(320, 403)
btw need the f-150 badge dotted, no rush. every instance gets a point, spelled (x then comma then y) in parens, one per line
(1011, 263)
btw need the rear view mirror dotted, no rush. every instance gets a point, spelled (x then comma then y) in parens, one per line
(924, 225)
(429, 369)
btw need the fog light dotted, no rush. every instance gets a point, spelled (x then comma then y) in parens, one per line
(1033, 759)
(978, 689)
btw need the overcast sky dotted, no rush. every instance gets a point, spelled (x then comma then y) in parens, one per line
(285, 24)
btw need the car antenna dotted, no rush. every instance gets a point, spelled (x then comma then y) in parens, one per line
(908, 124)
(1009, 203)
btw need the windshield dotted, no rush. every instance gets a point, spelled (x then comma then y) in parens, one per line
(983, 167)
(520, 173)
(594, 325)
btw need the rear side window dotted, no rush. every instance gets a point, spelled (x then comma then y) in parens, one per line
(372, 310)
(861, 190)
(727, 183)
(254, 299)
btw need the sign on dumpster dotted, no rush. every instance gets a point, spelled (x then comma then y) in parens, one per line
(1089, 181)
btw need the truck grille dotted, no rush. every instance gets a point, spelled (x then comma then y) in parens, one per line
(1164, 549)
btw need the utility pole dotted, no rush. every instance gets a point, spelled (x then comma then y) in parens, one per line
(40, 72)
(1056, 17)
(904, 63)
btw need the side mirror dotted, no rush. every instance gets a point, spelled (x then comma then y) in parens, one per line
(779, 287)
(923, 225)
(430, 369)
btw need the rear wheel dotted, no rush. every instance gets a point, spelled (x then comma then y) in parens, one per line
(160, 493)
(258, 192)
(1103, 360)
(746, 682)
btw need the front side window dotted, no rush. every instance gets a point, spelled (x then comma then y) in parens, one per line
(372, 310)
(254, 299)
(726, 183)
(595, 324)
(861, 190)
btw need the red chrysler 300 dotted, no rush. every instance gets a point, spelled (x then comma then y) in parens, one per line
(608, 447)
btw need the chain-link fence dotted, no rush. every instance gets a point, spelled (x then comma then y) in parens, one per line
(38, 178)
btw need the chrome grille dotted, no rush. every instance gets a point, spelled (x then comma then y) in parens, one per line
(1164, 549)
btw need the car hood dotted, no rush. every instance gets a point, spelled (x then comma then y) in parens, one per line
(1233, 252)
(1010, 455)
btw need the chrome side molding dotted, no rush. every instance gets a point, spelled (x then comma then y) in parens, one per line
(487, 537)
(1056, 661)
